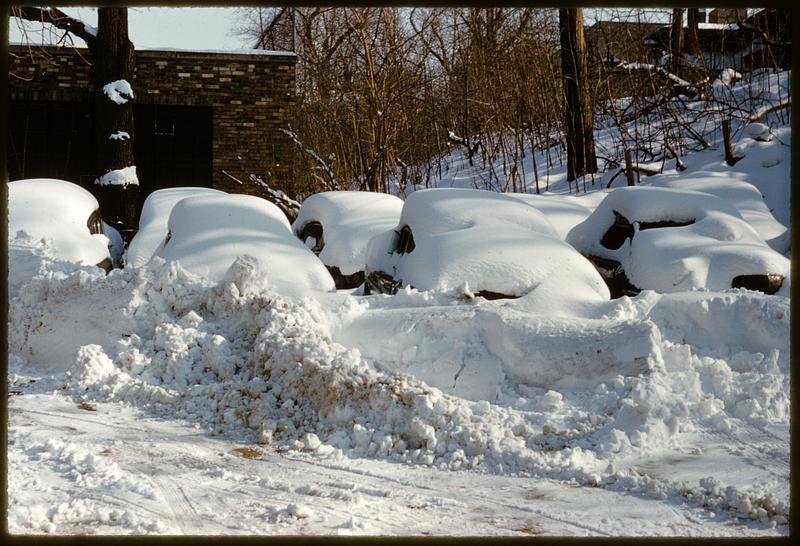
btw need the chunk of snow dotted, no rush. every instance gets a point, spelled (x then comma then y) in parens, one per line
(119, 135)
(119, 177)
(118, 91)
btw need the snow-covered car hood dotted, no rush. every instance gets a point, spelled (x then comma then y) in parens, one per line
(207, 233)
(57, 210)
(349, 220)
(714, 246)
(153, 221)
(490, 241)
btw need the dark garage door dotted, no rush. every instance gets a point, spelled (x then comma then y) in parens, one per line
(172, 144)
(173, 147)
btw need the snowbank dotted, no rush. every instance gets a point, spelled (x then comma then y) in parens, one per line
(208, 233)
(153, 221)
(349, 219)
(473, 240)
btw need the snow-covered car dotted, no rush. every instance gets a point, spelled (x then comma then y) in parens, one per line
(487, 243)
(153, 221)
(208, 232)
(671, 240)
(742, 195)
(337, 226)
(67, 215)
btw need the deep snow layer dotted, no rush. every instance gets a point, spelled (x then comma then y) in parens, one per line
(500, 388)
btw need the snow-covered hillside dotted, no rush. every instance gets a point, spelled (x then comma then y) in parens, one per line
(152, 400)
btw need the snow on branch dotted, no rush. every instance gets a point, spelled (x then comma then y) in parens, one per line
(119, 177)
(58, 19)
(117, 91)
(321, 163)
(471, 147)
(119, 135)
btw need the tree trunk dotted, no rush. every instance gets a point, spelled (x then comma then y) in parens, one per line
(676, 40)
(114, 61)
(579, 118)
(692, 23)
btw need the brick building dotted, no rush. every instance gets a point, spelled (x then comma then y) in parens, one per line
(201, 117)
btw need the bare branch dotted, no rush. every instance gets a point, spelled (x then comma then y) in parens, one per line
(58, 19)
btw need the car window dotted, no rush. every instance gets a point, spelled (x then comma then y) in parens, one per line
(95, 223)
(311, 234)
(405, 243)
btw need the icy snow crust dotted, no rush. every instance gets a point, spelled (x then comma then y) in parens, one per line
(56, 210)
(477, 240)
(709, 253)
(208, 233)
(153, 221)
(305, 375)
(349, 219)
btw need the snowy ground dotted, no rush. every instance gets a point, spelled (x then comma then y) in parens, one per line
(154, 401)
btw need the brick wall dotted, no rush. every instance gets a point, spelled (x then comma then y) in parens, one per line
(251, 95)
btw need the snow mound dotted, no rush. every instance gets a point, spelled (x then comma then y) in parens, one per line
(349, 219)
(715, 246)
(477, 240)
(241, 360)
(208, 233)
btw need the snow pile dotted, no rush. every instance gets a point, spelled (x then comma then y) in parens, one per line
(513, 250)
(119, 91)
(242, 360)
(153, 221)
(119, 177)
(58, 211)
(715, 246)
(209, 232)
(349, 219)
